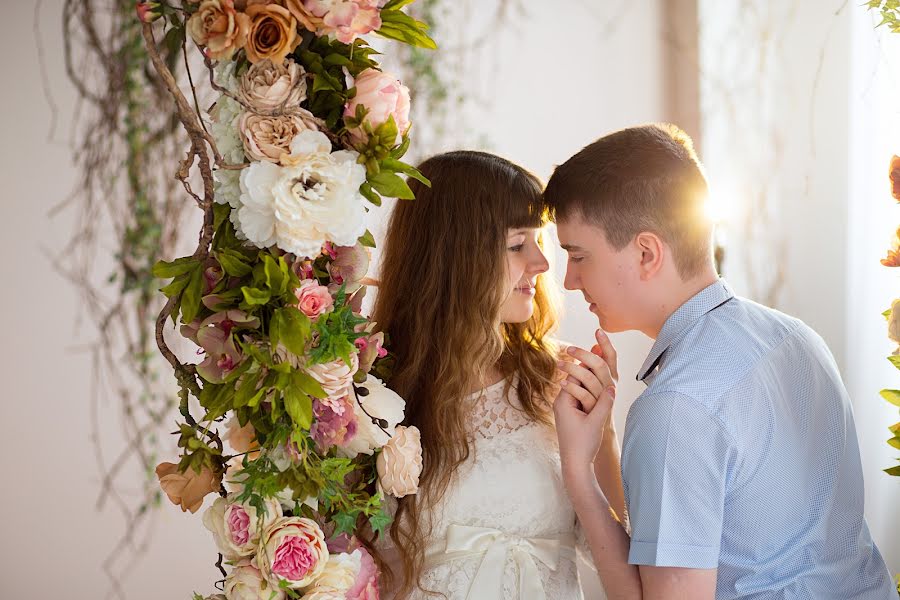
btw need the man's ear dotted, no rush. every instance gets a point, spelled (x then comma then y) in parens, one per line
(652, 252)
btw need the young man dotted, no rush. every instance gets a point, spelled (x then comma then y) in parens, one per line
(740, 460)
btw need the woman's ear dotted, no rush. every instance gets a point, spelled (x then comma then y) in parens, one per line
(652, 252)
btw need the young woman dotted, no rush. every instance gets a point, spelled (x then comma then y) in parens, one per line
(467, 308)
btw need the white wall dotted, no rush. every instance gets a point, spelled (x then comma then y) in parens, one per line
(544, 110)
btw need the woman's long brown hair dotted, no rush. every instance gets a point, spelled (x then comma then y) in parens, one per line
(441, 289)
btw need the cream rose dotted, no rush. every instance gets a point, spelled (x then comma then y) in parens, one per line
(340, 573)
(335, 377)
(267, 86)
(272, 34)
(219, 27)
(246, 583)
(236, 527)
(292, 550)
(267, 138)
(400, 462)
(380, 403)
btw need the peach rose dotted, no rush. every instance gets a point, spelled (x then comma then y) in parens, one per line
(895, 177)
(272, 34)
(313, 299)
(219, 27)
(383, 96)
(267, 138)
(267, 86)
(241, 439)
(400, 462)
(187, 489)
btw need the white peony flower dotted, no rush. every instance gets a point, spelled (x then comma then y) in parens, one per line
(246, 583)
(312, 198)
(379, 403)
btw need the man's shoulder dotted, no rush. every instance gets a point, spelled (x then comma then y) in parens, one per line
(723, 348)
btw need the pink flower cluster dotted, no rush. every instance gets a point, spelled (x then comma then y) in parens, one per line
(335, 423)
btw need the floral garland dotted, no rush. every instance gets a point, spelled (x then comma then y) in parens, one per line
(893, 314)
(306, 130)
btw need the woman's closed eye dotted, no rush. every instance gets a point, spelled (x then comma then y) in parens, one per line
(516, 248)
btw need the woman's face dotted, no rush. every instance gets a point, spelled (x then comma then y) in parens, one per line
(524, 262)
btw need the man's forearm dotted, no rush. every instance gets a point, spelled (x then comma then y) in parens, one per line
(606, 536)
(608, 468)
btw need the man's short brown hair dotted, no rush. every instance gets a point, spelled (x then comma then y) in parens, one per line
(645, 178)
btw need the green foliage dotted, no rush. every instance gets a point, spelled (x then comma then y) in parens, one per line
(890, 13)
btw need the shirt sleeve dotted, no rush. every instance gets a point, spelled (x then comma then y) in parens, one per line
(675, 463)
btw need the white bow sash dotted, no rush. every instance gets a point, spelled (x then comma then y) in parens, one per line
(494, 546)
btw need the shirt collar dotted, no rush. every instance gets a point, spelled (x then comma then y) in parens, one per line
(681, 320)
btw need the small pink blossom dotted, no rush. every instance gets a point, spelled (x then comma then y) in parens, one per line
(334, 423)
(313, 299)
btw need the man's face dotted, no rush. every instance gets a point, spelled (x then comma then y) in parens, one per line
(606, 277)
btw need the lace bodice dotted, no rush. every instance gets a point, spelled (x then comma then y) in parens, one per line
(511, 483)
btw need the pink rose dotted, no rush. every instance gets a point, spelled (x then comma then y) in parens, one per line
(366, 585)
(345, 19)
(383, 96)
(292, 550)
(313, 299)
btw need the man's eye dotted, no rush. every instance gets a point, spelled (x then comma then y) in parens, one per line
(576, 259)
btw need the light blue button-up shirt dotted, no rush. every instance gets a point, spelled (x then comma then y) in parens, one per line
(742, 455)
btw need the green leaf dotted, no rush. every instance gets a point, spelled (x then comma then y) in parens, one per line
(401, 167)
(337, 59)
(246, 390)
(298, 407)
(233, 262)
(895, 360)
(886, 314)
(380, 521)
(400, 150)
(895, 471)
(396, 25)
(895, 442)
(256, 297)
(307, 384)
(391, 185)
(367, 239)
(275, 278)
(190, 299)
(177, 286)
(292, 329)
(892, 396)
(387, 132)
(345, 522)
(179, 266)
(398, 4)
(369, 194)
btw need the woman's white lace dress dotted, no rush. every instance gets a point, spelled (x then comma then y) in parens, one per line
(505, 529)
